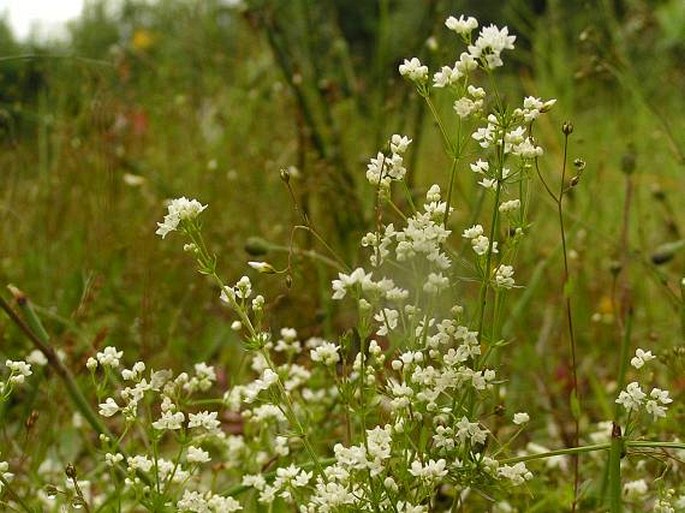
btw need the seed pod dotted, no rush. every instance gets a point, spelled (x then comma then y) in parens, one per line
(256, 246)
(666, 252)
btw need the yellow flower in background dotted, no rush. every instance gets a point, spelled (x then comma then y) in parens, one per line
(142, 39)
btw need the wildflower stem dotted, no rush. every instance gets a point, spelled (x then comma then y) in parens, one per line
(449, 148)
(453, 174)
(615, 453)
(8, 488)
(40, 340)
(308, 226)
(575, 399)
(485, 285)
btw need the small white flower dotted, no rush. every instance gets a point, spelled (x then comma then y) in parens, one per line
(413, 70)
(631, 398)
(517, 474)
(197, 455)
(326, 353)
(510, 206)
(635, 489)
(179, 209)
(36, 357)
(108, 408)
(112, 460)
(462, 26)
(169, 421)
(399, 143)
(473, 232)
(641, 357)
(109, 357)
(521, 418)
(262, 267)
(504, 277)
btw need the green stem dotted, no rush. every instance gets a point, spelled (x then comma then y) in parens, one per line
(615, 454)
(8, 488)
(575, 397)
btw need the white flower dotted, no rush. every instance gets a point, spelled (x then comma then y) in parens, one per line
(326, 353)
(435, 283)
(431, 471)
(197, 455)
(481, 244)
(504, 277)
(656, 405)
(112, 460)
(19, 369)
(510, 206)
(414, 70)
(179, 209)
(109, 357)
(641, 357)
(36, 357)
(533, 107)
(108, 408)
(527, 149)
(461, 26)
(465, 107)
(139, 462)
(489, 45)
(388, 318)
(631, 398)
(473, 232)
(243, 288)
(204, 419)
(517, 474)
(347, 281)
(169, 420)
(635, 489)
(262, 267)
(399, 143)
(433, 193)
(446, 77)
(521, 418)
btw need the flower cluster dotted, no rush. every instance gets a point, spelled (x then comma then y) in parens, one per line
(633, 397)
(179, 209)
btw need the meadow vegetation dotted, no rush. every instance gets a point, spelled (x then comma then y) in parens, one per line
(344, 256)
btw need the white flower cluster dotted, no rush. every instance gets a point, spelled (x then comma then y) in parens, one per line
(633, 397)
(196, 502)
(383, 169)
(485, 52)
(179, 209)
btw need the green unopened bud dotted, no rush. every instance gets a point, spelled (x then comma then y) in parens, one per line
(628, 160)
(285, 175)
(567, 128)
(256, 246)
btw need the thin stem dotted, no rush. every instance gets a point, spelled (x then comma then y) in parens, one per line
(453, 174)
(485, 285)
(575, 398)
(8, 488)
(615, 454)
(449, 147)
